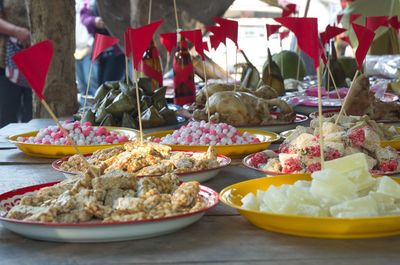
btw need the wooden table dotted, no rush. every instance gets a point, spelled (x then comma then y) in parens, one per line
(220, 237)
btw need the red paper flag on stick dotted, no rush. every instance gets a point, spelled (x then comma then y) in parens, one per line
(217, 38)
(365, 37)
(282, 35)
(229, 27)
(102, 42)
(339, 18)
(196, 38)
(330, 32)
(140, 40)
(271, 29)
(394, 22)
(353, 17)
(34, 63)
(373, 23)
(168, 40)
(205, 46)
(288, 10)
(346, 39)
(306, 31)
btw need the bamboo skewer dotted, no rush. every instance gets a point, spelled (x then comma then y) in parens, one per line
(176, 15)
(205, 89)
(321, 137)
(64, 131)
(138, 104)
(88, 85)
(345, 99)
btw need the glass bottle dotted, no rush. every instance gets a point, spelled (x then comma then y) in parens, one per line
(184, 87)
(151, 66)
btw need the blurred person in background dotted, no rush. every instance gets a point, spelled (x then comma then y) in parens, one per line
(15, 93)
(111, 61)
(84, 42)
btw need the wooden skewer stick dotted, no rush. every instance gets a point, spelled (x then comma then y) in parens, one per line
(297, 46)
(345, 99)
(176, 15)
(234, 83)
(138, 104)
(334, 85)
(64, 131)
(321, 137)
(206, 90)
(226, 64)
(150, 4)
(126, 70)
(88, 85)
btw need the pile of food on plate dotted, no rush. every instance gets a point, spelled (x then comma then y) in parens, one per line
(144, 159)
(385, 131)
(362, 101)
(300, 152)
(343, 189)
(207, 133)
(81, 134)
(112, 197)
(254, 103)
(115, 105)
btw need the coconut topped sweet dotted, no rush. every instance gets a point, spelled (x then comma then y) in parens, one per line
(207, 133)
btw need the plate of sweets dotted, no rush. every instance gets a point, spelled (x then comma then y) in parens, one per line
(341, 201)
(148, 159)
(110, 207)
(50, 142)
(389, 134)
(228, 140)
(300, 152)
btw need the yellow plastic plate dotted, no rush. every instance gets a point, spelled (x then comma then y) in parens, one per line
(323, 227)
(236, 150)
(393, 143)
(57, 151)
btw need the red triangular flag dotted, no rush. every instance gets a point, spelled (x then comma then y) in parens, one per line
(339, 18)
(330, 32)
(205, 46)
(127, 43)
(102, 42)
(271, 29)
(282, 35)
(306, 31)
(394, 22)
(288, 10)
(229, 28)
(353, 17)
(365, 37)
(34, 63)
(346, 39)
(217, 38)
(196, 38)
(168, 40)
(373, 23)
(140, 40)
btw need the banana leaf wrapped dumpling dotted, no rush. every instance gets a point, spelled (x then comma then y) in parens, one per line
(151, 117)
(128, 121)
(121, 103)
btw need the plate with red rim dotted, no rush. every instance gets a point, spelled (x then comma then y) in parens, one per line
(246, 163)
(198, 175)
(96, 231)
